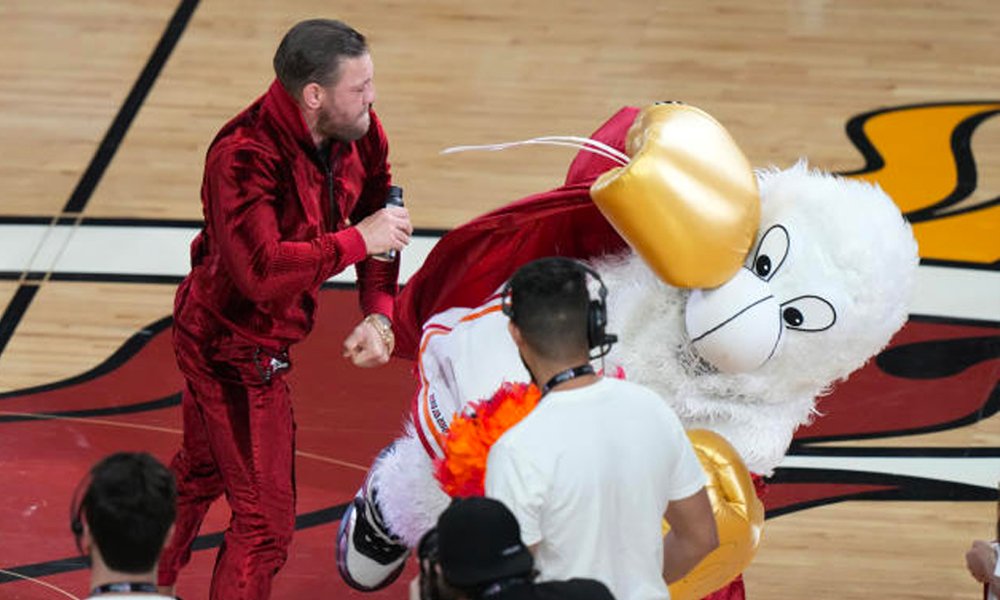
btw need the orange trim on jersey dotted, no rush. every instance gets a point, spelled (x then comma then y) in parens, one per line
(430, 331)
(425, 401)
(437, 326)
(483, 312)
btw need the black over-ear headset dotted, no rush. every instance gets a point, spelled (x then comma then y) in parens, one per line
(76, 510)
(599, 340)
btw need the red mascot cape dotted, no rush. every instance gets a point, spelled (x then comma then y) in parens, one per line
(469, 263)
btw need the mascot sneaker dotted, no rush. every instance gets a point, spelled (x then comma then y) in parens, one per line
(368, 556)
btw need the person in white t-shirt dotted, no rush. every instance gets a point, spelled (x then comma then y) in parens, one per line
(593, 469)
(121, 520)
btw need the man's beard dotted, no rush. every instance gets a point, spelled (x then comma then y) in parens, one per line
(342, 133)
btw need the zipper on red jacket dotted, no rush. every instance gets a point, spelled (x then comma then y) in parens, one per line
(327, 162)
(329, 191)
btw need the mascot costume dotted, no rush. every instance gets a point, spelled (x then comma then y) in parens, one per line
(739, 297)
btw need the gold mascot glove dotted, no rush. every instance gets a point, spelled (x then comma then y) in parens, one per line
(687, 201)
(739, 517)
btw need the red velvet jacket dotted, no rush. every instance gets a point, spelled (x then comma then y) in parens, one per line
(278, 224)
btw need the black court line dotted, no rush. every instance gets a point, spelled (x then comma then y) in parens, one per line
(127, 350)
(202, 542)
(117, 278)
(917, 318)
(896, 452)
(430, 232)
(938, 359)
(25, 220)
(987, 410)
(175, 279)
(131, 278)
(126, 114)
(158, 404)
(105, 152)
(141, 222)
(900, 488)
(957, 264)
(15, 310)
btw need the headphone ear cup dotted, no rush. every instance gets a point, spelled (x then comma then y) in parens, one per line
(76, 526)
(76, 511)
(506, 302)
(596, 322)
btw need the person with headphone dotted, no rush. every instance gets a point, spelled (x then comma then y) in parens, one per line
(592, 470)
(121, 517)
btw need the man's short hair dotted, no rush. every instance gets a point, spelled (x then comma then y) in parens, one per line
(549, 305)
(129, 507)
(311, 52)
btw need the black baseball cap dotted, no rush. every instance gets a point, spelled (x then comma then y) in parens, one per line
(479, 541)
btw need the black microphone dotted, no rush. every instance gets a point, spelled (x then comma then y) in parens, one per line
(393, 198)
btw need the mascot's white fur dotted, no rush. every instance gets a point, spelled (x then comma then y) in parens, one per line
(834, 259)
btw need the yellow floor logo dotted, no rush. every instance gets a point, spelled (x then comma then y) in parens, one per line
(921, 155)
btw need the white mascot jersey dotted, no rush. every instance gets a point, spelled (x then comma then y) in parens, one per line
(465, 354)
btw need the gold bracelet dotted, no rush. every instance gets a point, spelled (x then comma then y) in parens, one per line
(383, 327)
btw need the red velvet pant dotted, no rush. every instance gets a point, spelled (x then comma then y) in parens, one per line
(239, 438)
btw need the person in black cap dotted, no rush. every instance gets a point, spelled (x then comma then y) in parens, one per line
(476, 552)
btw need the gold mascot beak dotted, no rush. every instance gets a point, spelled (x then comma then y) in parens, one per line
(687, 202)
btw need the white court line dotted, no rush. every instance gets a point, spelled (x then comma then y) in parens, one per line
(48, 251)
(140, 250)
(40, 582)
(172, 431)
(964, 293)
(96, 250)
(19, 245)
(977, 470)
(100, 249)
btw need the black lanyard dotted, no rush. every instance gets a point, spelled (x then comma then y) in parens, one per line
(564, 376)
(124, 588)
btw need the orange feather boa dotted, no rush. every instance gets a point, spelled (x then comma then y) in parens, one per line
(462, 471)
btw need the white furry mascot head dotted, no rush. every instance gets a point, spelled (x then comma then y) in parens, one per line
(824, 288)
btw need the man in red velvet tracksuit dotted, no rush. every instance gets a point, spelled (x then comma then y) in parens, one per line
(293, 193)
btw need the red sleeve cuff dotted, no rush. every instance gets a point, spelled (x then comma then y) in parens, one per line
(341, 250)
(380, 303)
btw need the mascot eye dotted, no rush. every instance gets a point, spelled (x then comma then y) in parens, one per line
(771, 252)
(808, 313)
(792, 316)
(763, 266)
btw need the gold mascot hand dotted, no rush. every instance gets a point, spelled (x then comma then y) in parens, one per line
(739, 517)
(687, 202)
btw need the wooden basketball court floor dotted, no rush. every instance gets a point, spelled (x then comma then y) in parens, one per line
(106, 109)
